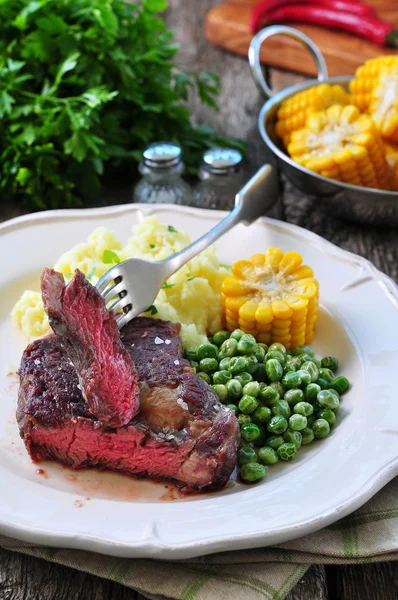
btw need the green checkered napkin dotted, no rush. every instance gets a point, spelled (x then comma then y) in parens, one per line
(368, 535)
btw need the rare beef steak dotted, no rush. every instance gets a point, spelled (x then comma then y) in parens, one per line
(91, 339)
(181, 433)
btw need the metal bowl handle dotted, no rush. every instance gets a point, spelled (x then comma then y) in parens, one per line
(264, 34)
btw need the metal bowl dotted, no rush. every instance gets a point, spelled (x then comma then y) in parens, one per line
(360, 204)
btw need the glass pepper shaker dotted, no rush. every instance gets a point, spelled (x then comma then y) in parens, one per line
(220, 179)
(161, 181)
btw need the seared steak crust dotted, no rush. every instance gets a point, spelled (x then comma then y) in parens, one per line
(182, 432)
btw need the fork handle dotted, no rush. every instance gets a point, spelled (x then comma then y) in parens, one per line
(253, 200)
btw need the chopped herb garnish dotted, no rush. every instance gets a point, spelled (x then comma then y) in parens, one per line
(110, 257)
(167, 286)
(190, 278)
(68, 275)
(171, 229)
(226, 266)
(152, 309)
(152, 246)
(91, 274)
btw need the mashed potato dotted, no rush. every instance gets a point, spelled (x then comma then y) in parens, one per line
(191, 296)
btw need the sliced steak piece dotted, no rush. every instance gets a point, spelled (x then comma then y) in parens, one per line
(91, 338)
(182, 432)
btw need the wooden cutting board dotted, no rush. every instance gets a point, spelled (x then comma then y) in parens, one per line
(227, 25)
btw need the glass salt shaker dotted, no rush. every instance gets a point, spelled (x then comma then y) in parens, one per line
(161, 170)
(220, 179)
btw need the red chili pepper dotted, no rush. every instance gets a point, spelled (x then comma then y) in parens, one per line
(371, 28)
(263, 8)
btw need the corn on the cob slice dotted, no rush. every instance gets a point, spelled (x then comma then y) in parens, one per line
(272, 296)
(375, 91)
(294, 111)
(342, 144)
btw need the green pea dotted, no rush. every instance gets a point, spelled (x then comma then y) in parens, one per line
(205, 377)
(237, 364)
(252, 388)
(267, 456)
(328, 400)
(208, 365)
(264, 346)
(289, 369)
(278, 347)
(298, 422)
(312, 369)
(210, 339)
(281, 408)
(298, 350)
(190, 354)
(268, 394)
(246, 455)
(326, 374)
(194, 364)
(293, 397)
(244, 419)
(305, 358)
(305, 377)
(307, 435)
(260, 441)
(311, 392)
(261, 372)
(252, 472)
(317, 362)
(259, 353)
(220, 337)
(261, 415)
(244, 444)
(288, 357)
(250, 432)
(293, 437)
(340, 384)
(247, 404)
(221, 391)
(252, 364)
(311, 419)
(247, 344)
(221, 377)
(224, 362)
(278, 387)
(207, 351)
(330, 362)
(277, 424)
(287, 451)
(274, 370)
(303, 408)
(234, 389)
(291, 380)
(323, 384)
(274, 441)
(304, 350)
(321, 428)
(295, 362)
(328, 415)
(229, 348)
(233, 407)
(244, 378)
(237, 334)
(275, 355)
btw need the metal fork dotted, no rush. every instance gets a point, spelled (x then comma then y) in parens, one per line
(130, 287)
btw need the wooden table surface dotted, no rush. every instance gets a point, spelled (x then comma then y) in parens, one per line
(25, 578)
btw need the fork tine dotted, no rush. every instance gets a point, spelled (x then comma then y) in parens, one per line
(118, 306)
(113, 291)
(106, 279)
(123, 320)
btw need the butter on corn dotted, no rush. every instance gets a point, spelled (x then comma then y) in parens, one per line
(342, 144)
(294, 111)
(374, 90)
(273, 296)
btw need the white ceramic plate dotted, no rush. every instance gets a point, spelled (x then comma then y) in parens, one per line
(120, 516)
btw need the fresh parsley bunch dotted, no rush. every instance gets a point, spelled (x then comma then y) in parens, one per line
(84, 86)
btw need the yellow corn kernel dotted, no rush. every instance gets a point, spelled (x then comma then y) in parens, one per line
(294, 111)
(374, 90)
(344, 143)
(280, 301)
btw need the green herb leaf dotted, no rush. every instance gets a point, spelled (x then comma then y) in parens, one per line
(190, 278)
(152, 246)
(171, 229)
(110, 257)
(226, 266)
(152, 309)
(167, 286)
(155, 5)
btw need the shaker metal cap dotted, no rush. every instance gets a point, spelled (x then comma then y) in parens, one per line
(161, 155)
(222, 160)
